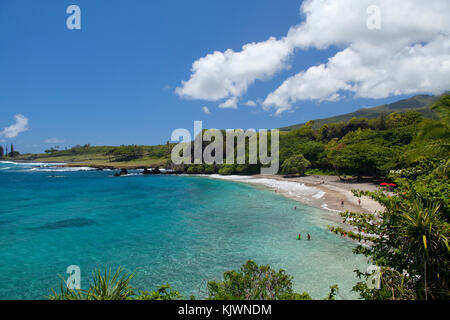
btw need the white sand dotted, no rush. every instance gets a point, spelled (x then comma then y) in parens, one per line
(325, 192)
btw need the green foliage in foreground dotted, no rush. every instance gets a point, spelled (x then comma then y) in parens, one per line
(251, 282)
(409, 240)
(108, 286)
(105, 286)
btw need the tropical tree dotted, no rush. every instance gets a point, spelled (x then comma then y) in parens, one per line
(253, 282)
(295, 165)
(105, 286)
(425, 234)
(410, 236)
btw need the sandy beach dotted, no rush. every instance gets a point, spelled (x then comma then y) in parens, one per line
(325, 192)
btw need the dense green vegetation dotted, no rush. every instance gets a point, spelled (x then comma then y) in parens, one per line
(409, 240)
(295, 165)
(358, 147)
(251, 282)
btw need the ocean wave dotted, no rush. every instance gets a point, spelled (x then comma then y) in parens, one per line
(324, 206)
(290, 188)
(130, 175)
(7, 162)
(319, 195)
(34, 164)
(65, 169)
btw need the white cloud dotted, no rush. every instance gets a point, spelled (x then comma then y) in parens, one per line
(13, 130)
(250, 103)
(330, 22)
(227, 75)
(53, 140)
(409, 54)
(206, 110)
(230, 103)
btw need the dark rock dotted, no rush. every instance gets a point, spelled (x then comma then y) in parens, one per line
(123, 172)
(156, 170)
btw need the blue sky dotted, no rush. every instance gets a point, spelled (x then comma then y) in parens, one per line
(113, 82)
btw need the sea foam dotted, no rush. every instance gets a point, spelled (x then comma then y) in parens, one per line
(296, 190)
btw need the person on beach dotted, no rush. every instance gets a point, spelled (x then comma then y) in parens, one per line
(359, 202)
(342, 203)
(309, 236)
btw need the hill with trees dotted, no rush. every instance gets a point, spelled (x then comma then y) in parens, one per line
(357, 147)
(419, 103)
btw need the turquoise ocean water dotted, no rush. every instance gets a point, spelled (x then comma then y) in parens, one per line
(181, 230)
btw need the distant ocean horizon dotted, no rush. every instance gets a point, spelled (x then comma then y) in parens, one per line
(180, 230)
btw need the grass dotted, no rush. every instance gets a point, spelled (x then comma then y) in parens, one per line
(94, 158)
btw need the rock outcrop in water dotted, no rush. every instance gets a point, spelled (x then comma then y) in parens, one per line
(156, 170)
(151, 171)
(123, 172)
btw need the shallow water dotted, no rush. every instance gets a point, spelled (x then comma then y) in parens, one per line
(181, 230)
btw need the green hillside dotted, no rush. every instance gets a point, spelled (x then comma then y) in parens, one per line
(419, 103)
(105, 156)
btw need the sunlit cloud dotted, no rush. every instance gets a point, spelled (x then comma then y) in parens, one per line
(15, 129)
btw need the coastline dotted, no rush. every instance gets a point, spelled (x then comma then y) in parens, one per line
(323, 192)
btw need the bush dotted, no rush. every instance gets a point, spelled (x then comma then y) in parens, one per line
(295, 165)
(227, 169)
(253, 282)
